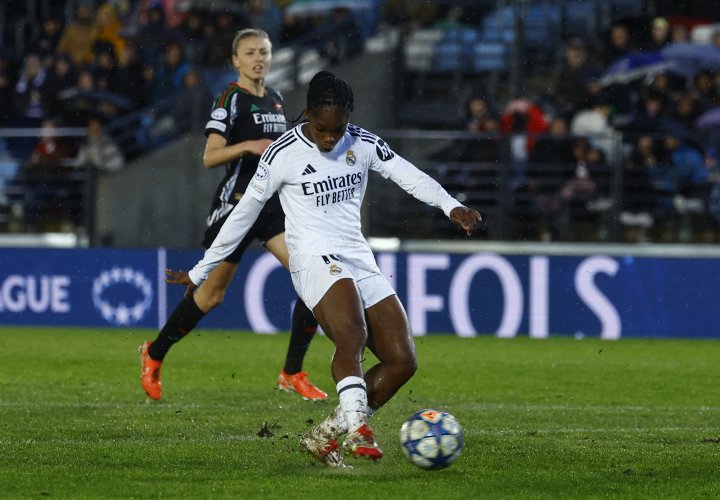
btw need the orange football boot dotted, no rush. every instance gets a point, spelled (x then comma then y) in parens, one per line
(299, 383)
(150, 375)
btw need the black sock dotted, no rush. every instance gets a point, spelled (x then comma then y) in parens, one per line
(304, 325)
(181, 322)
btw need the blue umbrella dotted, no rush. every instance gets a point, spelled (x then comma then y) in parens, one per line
(634, 66)
(689, 58)
(709, 119)
(309, 7)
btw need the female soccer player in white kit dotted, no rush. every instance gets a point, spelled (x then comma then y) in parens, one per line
(320, 170)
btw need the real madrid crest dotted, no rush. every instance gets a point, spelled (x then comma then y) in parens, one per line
(350, 157)
(335, 269)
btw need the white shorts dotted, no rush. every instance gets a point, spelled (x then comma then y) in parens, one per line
(317, 273)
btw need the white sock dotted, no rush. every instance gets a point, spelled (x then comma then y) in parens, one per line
(352, 393)
(333, 426)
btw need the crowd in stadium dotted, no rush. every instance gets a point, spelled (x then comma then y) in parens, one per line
(105, 60)
(630, 106)
(127, 55)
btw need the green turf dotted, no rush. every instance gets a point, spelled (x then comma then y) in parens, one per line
(557, 418)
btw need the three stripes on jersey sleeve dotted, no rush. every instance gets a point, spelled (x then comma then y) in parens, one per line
(363, 134)
(271, 152)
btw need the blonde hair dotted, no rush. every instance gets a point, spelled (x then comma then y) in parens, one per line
(247, 33)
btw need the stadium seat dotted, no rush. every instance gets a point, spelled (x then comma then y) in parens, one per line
(489, 56)
(448, 56)
(462, 35)
(418, 49)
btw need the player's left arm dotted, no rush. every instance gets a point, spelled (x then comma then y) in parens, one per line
(423, 187)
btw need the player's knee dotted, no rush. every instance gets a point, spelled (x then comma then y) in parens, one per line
(350, 331)
(406, 367)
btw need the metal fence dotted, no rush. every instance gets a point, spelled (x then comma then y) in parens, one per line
(46, 196)
(527, 201)
(519, 200)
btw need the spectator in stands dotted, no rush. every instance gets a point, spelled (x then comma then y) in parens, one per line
(293, 27)
(477, 113)
(265, 15)
(28, 96)
(556, 147)
(51, 193)
(226, 25)
(704, 90)
(171, 70)
(653, 116)
(679, 33)
(77, 37)
(668, 86)
(620, 44)
(573, 198)
(480, 120)
(47, 40)
(664, 179)
(540, 193)
(575, 83)
(61, 77)
(98, 150)
(129, 81)
(594, 123)
(183, 116)
(107, 28)
(153, 34)
(689, 165)
(76, 102)
(150, 84)
(196, 45)
(6, 95)
(51, 150)
(344, 37)
(525, 122)
(715, 38)
(105, 67)
(659, 34)
(640, 196)
(685, 111)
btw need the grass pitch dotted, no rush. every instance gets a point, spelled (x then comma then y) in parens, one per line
(557, 418)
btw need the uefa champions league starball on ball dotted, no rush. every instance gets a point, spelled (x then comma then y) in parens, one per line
(431, 439)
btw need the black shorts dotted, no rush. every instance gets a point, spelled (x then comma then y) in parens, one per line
(269, 224)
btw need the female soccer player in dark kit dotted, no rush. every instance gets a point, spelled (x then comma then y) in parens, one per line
(320, 169)
(244, 121)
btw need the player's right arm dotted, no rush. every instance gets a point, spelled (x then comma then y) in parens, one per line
(218, 152)
(242, 217)
(235, 228)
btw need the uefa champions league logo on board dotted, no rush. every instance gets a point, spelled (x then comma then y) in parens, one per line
(122, 296)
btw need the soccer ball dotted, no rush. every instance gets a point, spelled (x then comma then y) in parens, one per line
(431, 439)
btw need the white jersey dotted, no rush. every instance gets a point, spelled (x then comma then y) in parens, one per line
(321, 194)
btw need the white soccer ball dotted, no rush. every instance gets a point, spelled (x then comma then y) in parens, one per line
(431, 439)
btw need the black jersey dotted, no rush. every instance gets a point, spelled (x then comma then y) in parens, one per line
(240, 116)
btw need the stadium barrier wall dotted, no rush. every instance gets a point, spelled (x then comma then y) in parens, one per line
(526, 292)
